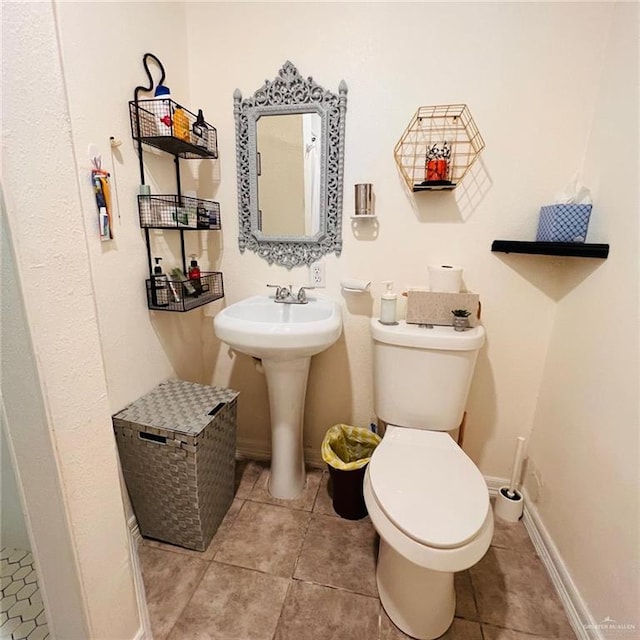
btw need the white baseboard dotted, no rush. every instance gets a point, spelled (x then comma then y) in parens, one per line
(494, 484)
(580, 617)
(251, 449)
(144, 633)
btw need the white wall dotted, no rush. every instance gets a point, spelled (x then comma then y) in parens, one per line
(40, 178)
(27, 436)
(585, 445)
(529, 77)
(102, 66)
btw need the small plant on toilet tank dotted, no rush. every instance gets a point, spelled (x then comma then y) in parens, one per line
(460, 319)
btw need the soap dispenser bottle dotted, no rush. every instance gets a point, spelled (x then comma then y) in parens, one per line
(159, 286)
(200, 131)
(388, 304)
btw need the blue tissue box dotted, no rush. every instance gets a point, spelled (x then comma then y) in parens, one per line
(563, 223)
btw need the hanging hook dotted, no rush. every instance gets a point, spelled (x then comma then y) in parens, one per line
(146, 68)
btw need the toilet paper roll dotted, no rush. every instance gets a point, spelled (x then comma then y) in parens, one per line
(352, 284)
(445, 278)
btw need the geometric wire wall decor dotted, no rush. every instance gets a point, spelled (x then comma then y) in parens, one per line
(438, 147)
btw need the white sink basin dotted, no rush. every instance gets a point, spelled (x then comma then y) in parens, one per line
(263, 328)
(284, 337)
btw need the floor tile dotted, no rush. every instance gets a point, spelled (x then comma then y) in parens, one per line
(264, 537)
(324, 501)
(19, 554)
(231, 603)
(314, 612)
(9, 627)
(514, 591)
(13, 588)
(459, 630)
(21, 632)
(169, 580)
(247, 472)
(39, 633)
(260, 491)
(495, 633)
(465, 600)
(22, 614)
(339, 553)
(215, 543)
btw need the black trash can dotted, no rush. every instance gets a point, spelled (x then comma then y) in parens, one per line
(347, 451)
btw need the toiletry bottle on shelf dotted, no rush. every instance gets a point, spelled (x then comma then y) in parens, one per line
(186, 285)
(388, 304)
(181, 124)
(159, 286)
(162, 110)
(200, 131)
(194, 274)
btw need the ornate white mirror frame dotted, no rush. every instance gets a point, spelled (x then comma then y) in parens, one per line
(288, 94)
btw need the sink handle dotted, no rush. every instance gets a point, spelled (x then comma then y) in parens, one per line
(278, 289)
(282, 292)
(302, 295)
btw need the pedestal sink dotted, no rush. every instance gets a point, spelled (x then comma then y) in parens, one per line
(285, 337)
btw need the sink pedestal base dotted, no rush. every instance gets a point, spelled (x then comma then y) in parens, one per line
(287, 385)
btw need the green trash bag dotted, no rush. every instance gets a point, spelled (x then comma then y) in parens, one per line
(348, 448)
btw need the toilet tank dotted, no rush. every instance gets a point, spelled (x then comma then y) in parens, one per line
(422, 376)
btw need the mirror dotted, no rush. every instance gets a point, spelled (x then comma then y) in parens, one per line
(289, 174)
(290, 156)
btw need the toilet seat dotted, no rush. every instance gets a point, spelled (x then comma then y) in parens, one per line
(428, 487)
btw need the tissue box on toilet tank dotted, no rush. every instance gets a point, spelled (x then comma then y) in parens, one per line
(563, 223)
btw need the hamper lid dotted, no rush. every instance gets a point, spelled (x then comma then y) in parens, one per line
(185, 407)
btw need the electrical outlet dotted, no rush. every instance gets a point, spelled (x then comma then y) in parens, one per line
(316, 275)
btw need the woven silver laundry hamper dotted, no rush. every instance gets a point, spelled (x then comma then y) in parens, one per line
(177, 449)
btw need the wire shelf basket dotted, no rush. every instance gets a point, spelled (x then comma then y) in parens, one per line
(184, 295)
(164, 124)
(171, 211)
(438, 147)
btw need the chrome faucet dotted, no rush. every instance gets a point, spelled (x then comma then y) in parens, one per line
(284, 294)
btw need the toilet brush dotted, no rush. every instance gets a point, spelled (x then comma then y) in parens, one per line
(509, 503)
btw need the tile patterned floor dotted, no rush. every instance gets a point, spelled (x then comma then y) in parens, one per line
(22, 615)
(279, 570)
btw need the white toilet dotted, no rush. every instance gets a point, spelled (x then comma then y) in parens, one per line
(425, 497)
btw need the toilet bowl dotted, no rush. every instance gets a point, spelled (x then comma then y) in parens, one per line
(430, 505)
(426, 498)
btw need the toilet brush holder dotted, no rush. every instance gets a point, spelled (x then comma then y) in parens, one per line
(509, 505)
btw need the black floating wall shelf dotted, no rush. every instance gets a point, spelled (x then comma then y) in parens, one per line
(575, 249)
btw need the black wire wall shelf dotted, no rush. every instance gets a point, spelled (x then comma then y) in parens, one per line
(164, 124)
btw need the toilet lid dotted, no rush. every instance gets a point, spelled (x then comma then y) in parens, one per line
(428, 487)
